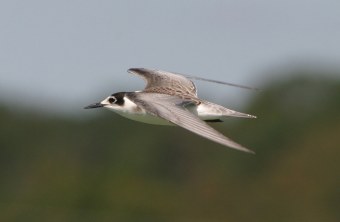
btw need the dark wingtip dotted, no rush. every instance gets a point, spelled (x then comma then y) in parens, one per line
(138, 70)
(133, 69)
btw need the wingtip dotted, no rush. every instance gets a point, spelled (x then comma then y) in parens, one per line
(239, 147)
(251, 152)
(133, 70)
(246, 150)
(137, 70)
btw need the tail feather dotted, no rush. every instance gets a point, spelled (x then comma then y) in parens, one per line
(211, 111)
(234, 113)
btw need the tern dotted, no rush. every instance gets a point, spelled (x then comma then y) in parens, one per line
(171, 99)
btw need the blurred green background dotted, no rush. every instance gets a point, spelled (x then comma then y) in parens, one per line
(59, 162)
(108, 168)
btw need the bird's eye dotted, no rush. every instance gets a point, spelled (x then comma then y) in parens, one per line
(112, 100)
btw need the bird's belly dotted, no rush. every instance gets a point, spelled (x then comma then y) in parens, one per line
(146, 118)
(203, 112)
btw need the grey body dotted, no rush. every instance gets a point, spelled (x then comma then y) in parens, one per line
(171, 99)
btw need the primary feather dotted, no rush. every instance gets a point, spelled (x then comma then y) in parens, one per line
(177, 111)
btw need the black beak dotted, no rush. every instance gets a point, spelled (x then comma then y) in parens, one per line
(94, 105)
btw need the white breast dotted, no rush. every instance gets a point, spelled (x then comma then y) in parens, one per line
(131, 111)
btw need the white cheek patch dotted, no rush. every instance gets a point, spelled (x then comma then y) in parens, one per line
(106, 101)
(130, 106)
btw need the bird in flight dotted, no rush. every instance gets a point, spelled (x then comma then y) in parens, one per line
(171, 99)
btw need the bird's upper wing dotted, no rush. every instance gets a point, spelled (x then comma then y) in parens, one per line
(165, 82)
(175, 110)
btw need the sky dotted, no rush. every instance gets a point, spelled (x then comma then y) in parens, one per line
(62, 55)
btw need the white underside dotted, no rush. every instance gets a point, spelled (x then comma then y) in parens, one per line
(143, 116)
(131, 111)
(206, 113)
(146, 118)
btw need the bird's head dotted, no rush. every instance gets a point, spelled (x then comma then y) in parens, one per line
(114, 102)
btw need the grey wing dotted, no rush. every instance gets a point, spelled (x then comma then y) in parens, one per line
(159, 81)
(221, 82)
(174, 109)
